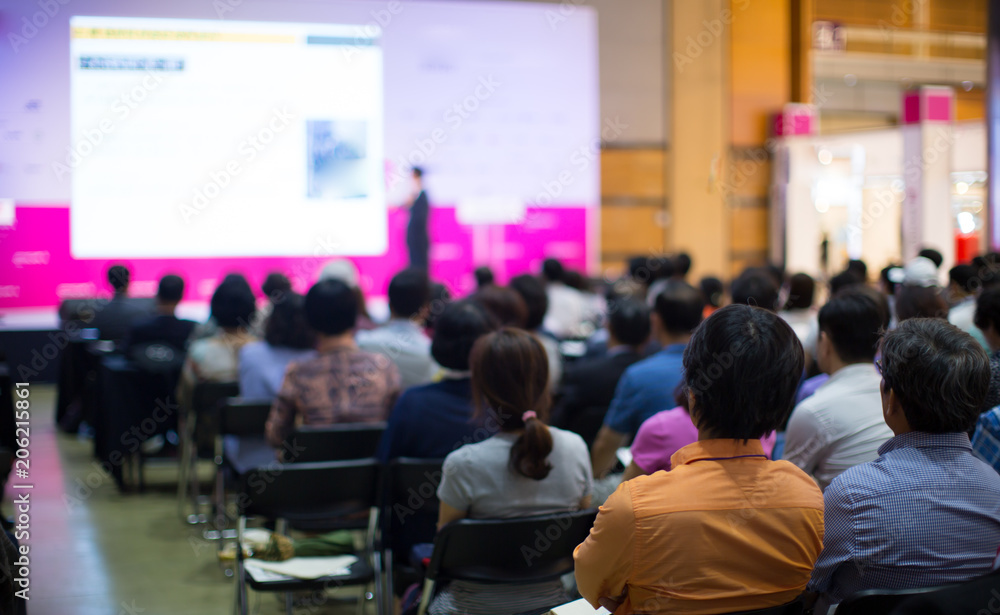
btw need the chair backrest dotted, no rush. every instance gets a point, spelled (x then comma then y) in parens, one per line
(529, 549)
(157, 358)
(333, 442)
(587, 423)
(326, 495)
(239, 416)
(411, 505)
(207, 396)
(968, 597)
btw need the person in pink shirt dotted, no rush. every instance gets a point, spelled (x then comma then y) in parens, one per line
(666, 432)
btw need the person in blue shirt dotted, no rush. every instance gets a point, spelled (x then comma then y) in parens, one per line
(647, 386)
(432, 420)
(927, 511)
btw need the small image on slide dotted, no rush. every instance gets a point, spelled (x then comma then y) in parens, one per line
(337, 158)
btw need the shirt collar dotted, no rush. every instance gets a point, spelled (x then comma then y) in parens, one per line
(718, 449)
(854, 370)
(922, 439)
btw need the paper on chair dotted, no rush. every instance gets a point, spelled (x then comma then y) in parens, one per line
(301, 567)
(578, 607)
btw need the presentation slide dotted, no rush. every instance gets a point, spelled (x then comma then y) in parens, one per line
(195, 138)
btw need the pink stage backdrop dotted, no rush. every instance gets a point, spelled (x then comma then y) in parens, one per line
(41, 272)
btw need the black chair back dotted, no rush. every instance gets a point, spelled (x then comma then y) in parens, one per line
(411, 508)
(333, 442)
(205, 400)
(587, 423)
(317, 496)
(238, 416)
(525, 550)
(966, 598)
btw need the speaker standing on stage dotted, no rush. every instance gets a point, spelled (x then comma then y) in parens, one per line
(417, 239)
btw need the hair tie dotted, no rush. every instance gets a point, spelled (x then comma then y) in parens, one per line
(530, 414)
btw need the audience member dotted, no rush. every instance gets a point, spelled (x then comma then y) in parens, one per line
(440, 298)
(914, 301)
(962, 287)
(568, 308)
(755, 287)
(275, 286)
(859, 268)
(844, 279)
(345, 271)
(114, 318)
(688, 540)
(926, 512)
(527, 469)
(682, 266)
(591, 383)
(165, 327)
(536, 299)
(287, 338)
(210, 327)
(484, 277)
(504, 304)
(933, 256)
(841, 426)
(402, 339)
(712, 293)
(798, 311)
(647, 386)
(987, 320)
(342, 384)
(432, 420)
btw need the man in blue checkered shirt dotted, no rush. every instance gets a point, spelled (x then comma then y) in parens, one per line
(927, 511)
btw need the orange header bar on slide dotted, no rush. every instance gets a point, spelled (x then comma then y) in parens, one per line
(179, 35)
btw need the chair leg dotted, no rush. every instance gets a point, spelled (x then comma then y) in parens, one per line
(425, 597)
(289, 604)
(378, 585)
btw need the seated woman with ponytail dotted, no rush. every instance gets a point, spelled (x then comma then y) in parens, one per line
(524, 470)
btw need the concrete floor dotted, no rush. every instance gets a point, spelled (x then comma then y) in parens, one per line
(96, 551)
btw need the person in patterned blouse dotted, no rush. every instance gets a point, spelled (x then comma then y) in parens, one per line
(341, 384)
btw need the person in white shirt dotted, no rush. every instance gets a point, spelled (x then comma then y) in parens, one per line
(799, 313)
(962, 283)
(568, 308)
(841, 425)
(402, 339)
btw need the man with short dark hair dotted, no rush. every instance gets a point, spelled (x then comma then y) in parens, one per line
(114, 318)
(567, 306)
(342, 384)
(647, 386)
(402, 339)
(926, 512)
(840, 425)
(532, 290)
(725, 530)
(418, 241)
(165, 327)
(755, 287)
(591, 383)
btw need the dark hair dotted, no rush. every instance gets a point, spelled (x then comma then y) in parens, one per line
(679, 306)
(458, 327)
(843, 280)
(801, 290)
(440, 299)
(743, 366)
(682, 264)
(711, 291)
(988, 309)
(331, 307)
(484, 276)
(418, 172)
(884, 276)
(276, 284)
(504, 304)
(118, 277)
(932, 255)
(854, 319)
(552, 270)
(859, 268)
(233, 304)
(920, 302)
(964, 276)
(287, 325)
(171, 289)
(510, 376)
(629, 321)
(409, 292)
(756, 288)
(940, 374)
(532, 291)
(237, 279)
(575, 279)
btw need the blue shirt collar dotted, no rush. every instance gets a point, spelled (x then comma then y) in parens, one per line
(922, 439)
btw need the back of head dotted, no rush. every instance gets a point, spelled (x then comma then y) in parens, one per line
(890, 276)
(510, 377)
(287, 326)
(118, 278)
(171, 289)
(275, 285)
(932, 255)
(682, 264)
(712, 291)
(756, 288)
(854, 320)
(679, 307)
(939, 373)
(859, 268)
(920, 302)
(988, 309)
(409, 292)
(844, 279)
(331, 307)
(532, 290)
(340, 269)
(458, 327)
(629, 321)
(801, 290)
(484, 277)
(504, 304)
(742, 367)
(440, 299)
(965, 278)
(233, 303)
(575, 279)
(552, 270)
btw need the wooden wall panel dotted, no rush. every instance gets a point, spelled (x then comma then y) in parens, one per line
(632, 173)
